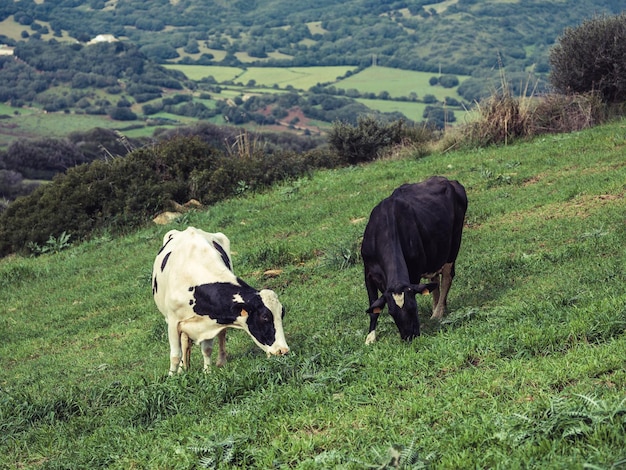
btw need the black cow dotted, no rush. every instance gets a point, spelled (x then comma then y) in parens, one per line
(415, 233)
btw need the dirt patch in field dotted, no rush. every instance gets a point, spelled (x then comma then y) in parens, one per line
(295, 121)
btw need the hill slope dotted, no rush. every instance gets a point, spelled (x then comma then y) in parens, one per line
(456, 36)
(527, 370)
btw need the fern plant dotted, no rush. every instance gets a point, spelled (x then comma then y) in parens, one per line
(218, 452)
(567, 419)
(404, 458)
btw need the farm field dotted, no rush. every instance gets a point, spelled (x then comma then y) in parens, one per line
(412, 110)
(397, 82)
(12, 29)
(300, 78)
(198, 72)
(527, 370)
(31, 123)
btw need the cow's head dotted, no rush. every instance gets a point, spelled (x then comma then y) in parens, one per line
(402, 306)
(263, 316)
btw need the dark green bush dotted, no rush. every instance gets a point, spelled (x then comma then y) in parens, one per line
(126, 192)
(592, 58)
(363, 142)
(119, 193)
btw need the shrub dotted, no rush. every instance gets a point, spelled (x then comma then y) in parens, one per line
(120, 193)
(122, 114)
(592, 58)
(363, 142)
(556, 113)
(449, 81)
(502, 118)
(125, 192)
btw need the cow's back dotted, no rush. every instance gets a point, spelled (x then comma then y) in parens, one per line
(187, 259)
(419, 225)
(433, 213)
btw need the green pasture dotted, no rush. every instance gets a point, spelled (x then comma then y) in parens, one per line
(35, 124)
(218, 55)
(198, 72)
(7, 110)
(300, 78)
(397, 83)
(526, 371)
(412, 110)
(13, 30)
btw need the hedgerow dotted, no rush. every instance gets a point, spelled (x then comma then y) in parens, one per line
(125, 192)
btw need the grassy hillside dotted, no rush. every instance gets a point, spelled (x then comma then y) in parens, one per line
(528, 370)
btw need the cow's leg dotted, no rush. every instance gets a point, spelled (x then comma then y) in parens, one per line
(207, 349)
(371, 336)
(436, 278)
(447, 274)
(185, 344)
(175, 349)
(221, 358)
(372, 295)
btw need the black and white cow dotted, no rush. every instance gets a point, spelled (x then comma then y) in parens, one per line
(415, 233)
(195, 289)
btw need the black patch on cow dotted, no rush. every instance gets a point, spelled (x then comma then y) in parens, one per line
(261, 324)
(223, 254)
(215, 300)
(164, 262)
(154, 286)
(164, 245)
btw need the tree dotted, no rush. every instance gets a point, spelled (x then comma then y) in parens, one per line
(122, 114)
(592, 58)
(449, 81)
(438, 117)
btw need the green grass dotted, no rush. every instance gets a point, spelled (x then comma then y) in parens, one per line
(528, 370)
(412, 110)
(398, 83)
(13, 30)
(300, 78)
(198, 72)
(31, 123)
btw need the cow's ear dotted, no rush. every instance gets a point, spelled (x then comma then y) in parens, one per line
(377, 305)
(424, 289)
(239, 310)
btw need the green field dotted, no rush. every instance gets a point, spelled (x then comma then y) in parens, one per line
(12, 29)
(198, 72)
(31, 123)
(397, 82)
(527, 371)
(412, 110)
(300, 78)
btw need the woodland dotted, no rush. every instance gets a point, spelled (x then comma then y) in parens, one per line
(460, 37)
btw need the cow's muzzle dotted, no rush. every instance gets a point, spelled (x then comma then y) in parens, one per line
(280, 351)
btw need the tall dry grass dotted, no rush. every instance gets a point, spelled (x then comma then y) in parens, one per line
(503, 118)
